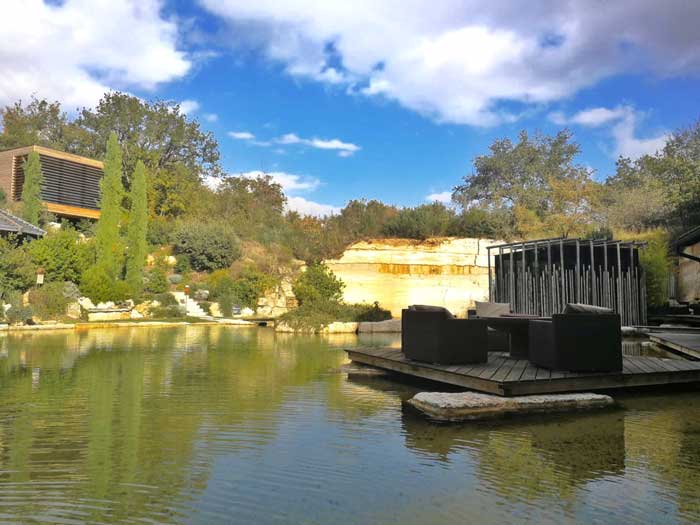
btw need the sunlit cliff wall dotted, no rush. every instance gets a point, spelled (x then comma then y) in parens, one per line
(449, 272)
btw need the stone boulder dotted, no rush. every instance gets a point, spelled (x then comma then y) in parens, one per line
(390, 326)
(464, 406)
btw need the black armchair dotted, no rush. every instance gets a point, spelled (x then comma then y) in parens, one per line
(577, 342)
(431, 334)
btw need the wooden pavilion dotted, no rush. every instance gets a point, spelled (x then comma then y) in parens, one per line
(540, 277)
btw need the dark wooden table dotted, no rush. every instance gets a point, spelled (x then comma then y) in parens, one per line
(517, 326)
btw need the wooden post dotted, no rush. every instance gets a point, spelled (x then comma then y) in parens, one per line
(563, 275)
(619, 280)
(594, 292)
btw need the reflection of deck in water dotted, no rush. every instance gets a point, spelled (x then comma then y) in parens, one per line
(509, 377)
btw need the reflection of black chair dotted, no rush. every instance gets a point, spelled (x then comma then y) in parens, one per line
(578, 342)
(432, 334)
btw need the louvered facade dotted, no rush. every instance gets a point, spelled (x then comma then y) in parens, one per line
(71, 185)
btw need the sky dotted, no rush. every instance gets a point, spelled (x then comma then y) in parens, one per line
(375, 99)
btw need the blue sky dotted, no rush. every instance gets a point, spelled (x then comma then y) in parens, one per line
(372, 99)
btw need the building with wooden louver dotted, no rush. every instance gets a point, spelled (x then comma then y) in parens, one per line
(71, 185)
(540, 277)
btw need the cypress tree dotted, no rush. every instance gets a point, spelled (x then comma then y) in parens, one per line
(136, 238)
(110, 249)
(31, 189)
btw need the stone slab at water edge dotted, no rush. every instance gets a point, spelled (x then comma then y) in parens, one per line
(465, 406)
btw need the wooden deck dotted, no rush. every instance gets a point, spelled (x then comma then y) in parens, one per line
(684, 343)
(504, 376)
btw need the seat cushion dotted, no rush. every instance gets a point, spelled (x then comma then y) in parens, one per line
(430, 308)
(578, 308)
(486, 309)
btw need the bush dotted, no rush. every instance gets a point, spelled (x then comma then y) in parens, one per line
(314, 316)
(175, 278)
(167, 312)
(50, 301)
(158, 232)
(208, 246)
(318, 283)
(165, 299)
(17, 272)
(17, 313)
(100, 287)
(62, 256)
(182, 264)
(251, 285)
(156, 281)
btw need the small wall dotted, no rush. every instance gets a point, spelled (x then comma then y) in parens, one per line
(111, 314)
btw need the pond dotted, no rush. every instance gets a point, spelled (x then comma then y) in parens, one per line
(216, 424)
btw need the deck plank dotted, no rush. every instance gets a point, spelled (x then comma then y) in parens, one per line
(504, 376)
(517, 370)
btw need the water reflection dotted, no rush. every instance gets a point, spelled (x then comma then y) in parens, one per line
(214, 424)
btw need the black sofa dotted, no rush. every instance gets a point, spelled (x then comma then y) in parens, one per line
(579, 340)
(433, 335)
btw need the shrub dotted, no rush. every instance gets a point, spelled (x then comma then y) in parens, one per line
(175, 278)
(370, 313)
(182, 264)
(50, 301)
(251, 285)
(208, 246)
(62, 256)
(158, 232)
(318, 283)
(17, 313)
(165, 299)
(314, 316)
(167, 312)
(156, 281)
(17, 272)
(100, 287)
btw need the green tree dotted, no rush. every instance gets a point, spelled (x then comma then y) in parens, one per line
(536, 182)
(107, 238)
(62, 254)
(17, 272)
(421, 222)
(103, 281)
(31, 188)
(208, 246)
(318, 283)
(138, 226)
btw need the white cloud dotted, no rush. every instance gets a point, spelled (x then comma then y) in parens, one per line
(444, 196)
(241, 135)
(307, 207)
(593, 117)
(211, 117)
(624, 121)
(187, 107)
(290, 182)
(627, 145)
(457, 60)
(76, 51)
(345, 149)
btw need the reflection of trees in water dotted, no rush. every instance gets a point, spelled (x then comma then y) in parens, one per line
(528, 458)
(130, 410)
(662, 434)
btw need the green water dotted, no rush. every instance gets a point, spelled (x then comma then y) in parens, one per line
(225, 425)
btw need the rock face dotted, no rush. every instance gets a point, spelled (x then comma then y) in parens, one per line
(463, 406)
(449, 272)
(689, 276)
(281, 299)
(392, 326)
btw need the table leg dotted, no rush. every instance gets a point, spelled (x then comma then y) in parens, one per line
(519, 343)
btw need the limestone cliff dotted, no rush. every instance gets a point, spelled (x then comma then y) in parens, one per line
(449, 272)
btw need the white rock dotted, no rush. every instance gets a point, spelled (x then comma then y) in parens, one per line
(86, 303)
(460, 406)
(340, 328)
(247, 312)
(135, 314)
(391, 326)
